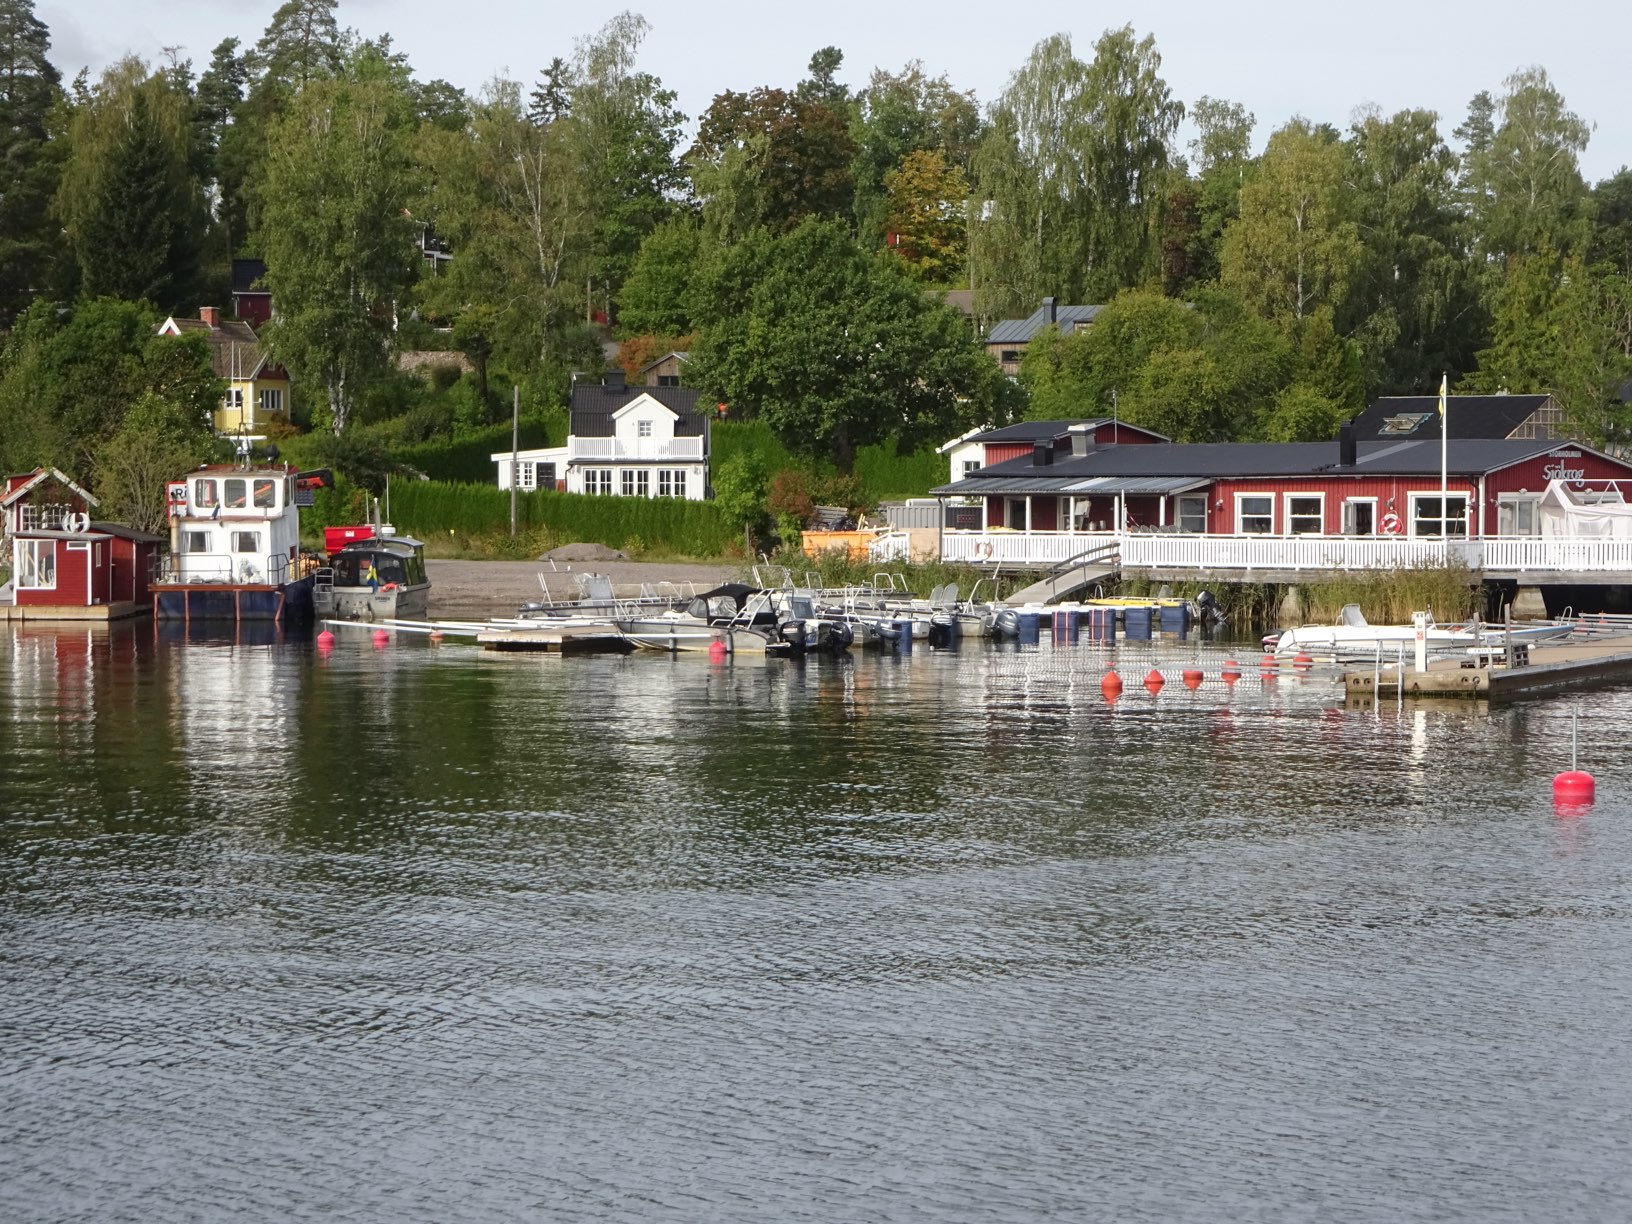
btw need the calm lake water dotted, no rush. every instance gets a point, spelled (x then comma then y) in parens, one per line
(428, 934)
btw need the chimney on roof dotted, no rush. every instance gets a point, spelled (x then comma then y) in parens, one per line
(1082, 440)
(1042, 453)
(613, 380)
(1051, 310)
(210, 315)
(1347, 450)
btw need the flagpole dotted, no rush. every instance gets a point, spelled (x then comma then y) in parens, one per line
(1444, 465)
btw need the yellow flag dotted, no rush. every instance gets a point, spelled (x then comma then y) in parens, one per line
(1444, 391)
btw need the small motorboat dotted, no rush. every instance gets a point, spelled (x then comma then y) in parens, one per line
(1354, 638)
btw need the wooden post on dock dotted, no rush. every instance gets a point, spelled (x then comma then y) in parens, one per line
(515, 446)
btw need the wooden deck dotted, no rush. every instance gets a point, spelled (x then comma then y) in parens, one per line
(1551, 669)
(556, 641)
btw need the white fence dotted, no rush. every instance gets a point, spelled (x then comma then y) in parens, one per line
(649, 448)
(1505, 555)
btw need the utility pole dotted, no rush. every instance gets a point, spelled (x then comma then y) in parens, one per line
(515, 446)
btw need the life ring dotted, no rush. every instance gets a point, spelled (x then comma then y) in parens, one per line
(1391, 523)
(984, 550)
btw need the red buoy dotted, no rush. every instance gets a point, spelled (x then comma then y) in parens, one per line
(1269, 663)
(325, 640)
(716, 651)
(1192, 678)
(1154, 681)
(381, 637)
(1303, 662)
(1231, 672)
(1574, 788)
(1111, 686)
(436, 637)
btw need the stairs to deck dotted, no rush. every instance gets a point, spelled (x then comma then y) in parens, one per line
(1071, 575)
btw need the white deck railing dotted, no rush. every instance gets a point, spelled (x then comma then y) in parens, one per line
(646, 448)
(1514, 555)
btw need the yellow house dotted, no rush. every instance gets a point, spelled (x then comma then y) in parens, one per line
(256, 388)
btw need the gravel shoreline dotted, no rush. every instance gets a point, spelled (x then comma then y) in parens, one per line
(480, 589)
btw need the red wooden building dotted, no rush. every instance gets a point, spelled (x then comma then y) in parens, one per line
(96, 571)
(1493, 487)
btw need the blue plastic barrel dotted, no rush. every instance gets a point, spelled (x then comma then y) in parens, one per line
(1175, 619)
(903, 637)
(1030, 628)
(1136, 623)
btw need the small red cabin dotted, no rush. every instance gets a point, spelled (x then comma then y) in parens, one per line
(105, 566)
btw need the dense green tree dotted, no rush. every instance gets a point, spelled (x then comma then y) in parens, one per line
(67, 381)
(129, 201)
(1413, 304)
(925, 201)
(157, 440)
(1295, 247)
(899, 114)
(337, 245)
(1562, 327)
(302, 43)
(29, 167)
(551, 98)
(835, 348)
(1069, 177)
(624, 128)
(1612, 223)
(770, 158)
(655, 299)
(822, 84)
(1521, 179)
(1200, 205)
(507, 198)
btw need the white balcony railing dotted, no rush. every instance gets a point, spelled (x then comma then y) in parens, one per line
(690, 449)
(1506, 555)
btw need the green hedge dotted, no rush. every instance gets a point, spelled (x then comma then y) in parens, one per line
(470, 460)
(425, 508)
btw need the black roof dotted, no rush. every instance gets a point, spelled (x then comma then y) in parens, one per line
(594, 403)
(1222, 460)
(245, 272)
(1047, 431)
(1470, 416)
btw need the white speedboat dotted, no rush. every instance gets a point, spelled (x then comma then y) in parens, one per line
(1353, 637)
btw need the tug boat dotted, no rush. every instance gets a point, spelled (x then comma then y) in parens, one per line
(234, 548)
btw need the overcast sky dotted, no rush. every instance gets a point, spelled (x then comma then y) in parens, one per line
(1314, 58)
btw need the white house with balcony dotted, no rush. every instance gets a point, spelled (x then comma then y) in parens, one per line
(622, 441)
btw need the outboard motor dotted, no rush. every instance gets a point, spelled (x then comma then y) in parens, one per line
(1207, 609)
(793, 635)
(943, 631)
(1005, 625)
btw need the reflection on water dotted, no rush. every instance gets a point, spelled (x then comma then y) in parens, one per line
(431, 934)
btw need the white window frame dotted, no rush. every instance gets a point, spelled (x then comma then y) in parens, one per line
(272, 399)
(598, 481)
(1179, 515)
(31, 557)
(679, 482)
(1506, 506)
(626, 482)
(970, 467)
(195, 543)
(1009, 503)
(254, 538)
(1415, 517)
(526, 475)
(1286, 512)
(1241, 514)
(643, 483)
(665, 482)
(643, 429)
(1343, 524)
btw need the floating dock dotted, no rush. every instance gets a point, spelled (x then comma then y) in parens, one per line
(1551, 669)
(556, 641)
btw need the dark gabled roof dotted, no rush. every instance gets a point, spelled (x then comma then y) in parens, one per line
(245, 272)
(1223, 460)
(1018, 331)
(1470, 416)
(593, 405)
(1048, 431)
